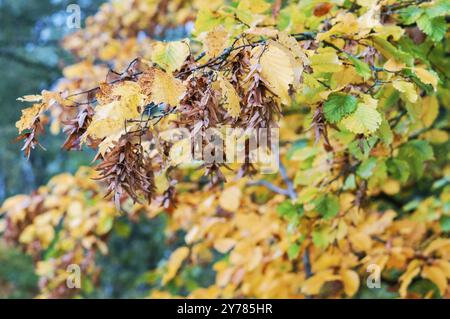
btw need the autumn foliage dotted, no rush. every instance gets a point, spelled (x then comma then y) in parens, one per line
(359, 93)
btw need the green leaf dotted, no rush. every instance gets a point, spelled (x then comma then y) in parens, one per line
(284, 19)
(361, 149)
(385, 132)
(412, 205)
(365, 170)
(434, 27)
(415, 50)
(293, 251)
(362, 68)
(322, 237)
(327, 206)
(104, 224)
(384, 292)
(425, 287)
(398, 169)
(439, 8)
(122, 229)
(440, 183)
(350, 182)
(52, 250)
(445, 223)
(415, 153)
(390, 51)
(379, 174)
(409, 15)
(338, 105)
(289, 210)
(391, 99)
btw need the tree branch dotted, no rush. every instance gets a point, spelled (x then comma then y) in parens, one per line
(291, 190)
(270, 186)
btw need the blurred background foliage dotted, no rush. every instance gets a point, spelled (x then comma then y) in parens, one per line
(31, 59)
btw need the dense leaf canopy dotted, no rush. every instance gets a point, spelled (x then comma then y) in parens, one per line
(359, 92)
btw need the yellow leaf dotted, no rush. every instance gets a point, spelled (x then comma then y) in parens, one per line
(307, 194)
(393, 65)
(180, 152)
(426, 77)
(216, 41)
(436, 136)
(230, 198)
(255, 6)
(29, 116)
(212, 292)
(326, 261)
(389, 30)
(45, 234)
(436, 244)
(365, 120)
(344, 24)
(109, 119)
(230, 99)
(175, 261)
(325, 60)
(130, 97)
(312, 285)
(391, 186)
(49, 98)
(367, 3)
(350, 279)
(437, 276)
(105, 220)
(27, 234)
(30, 98)
(255, 259)
(223, 245)
(110, 50)
(170, 55)
(379, 224)
(444, 265)
(277, 68)
(161, 87)
(430, 110)
(360, 241)
(262, 31)
(411, 272)
(81, 69)
(342, 230)
(293, 46)
(406, 88)
(161, 182)
(45, 268)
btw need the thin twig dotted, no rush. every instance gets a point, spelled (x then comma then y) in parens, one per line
(307, 263)
(291, 190)
(270, 186)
